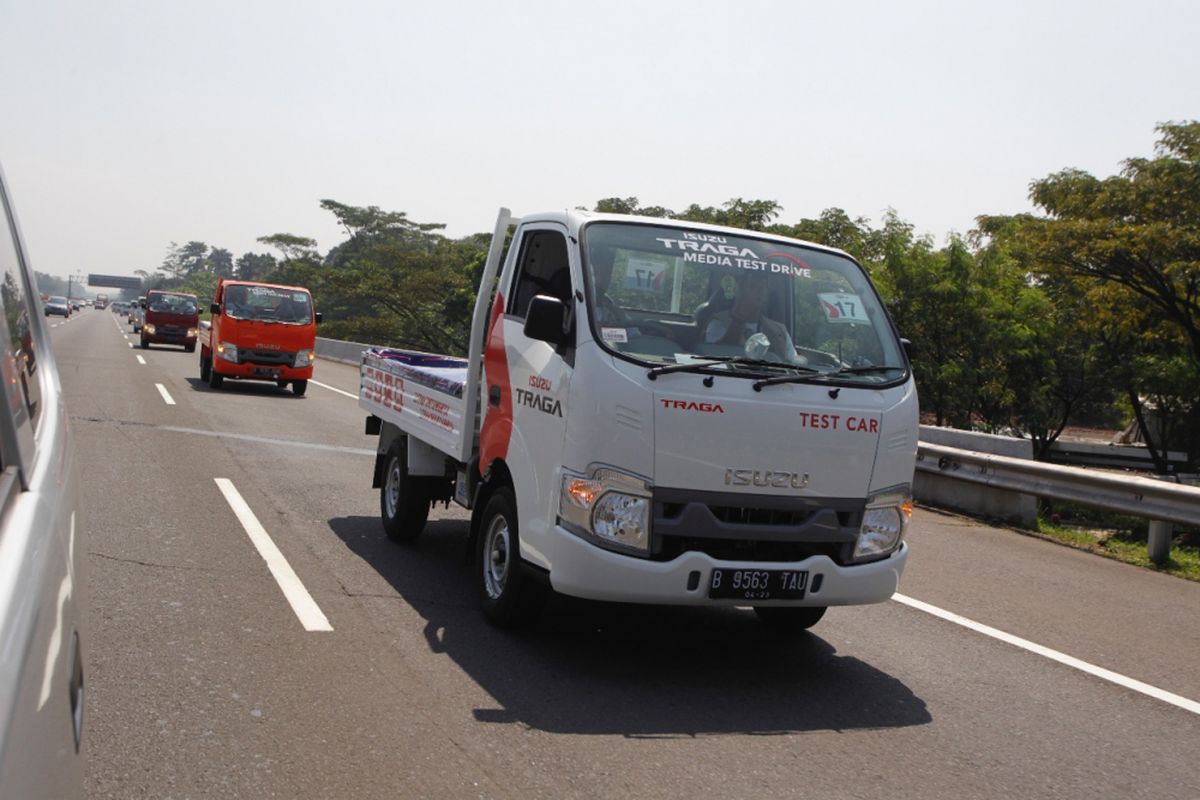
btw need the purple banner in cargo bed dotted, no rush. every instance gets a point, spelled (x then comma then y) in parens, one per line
(444, 374)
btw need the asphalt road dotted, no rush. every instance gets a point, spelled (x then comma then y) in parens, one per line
(203, 682)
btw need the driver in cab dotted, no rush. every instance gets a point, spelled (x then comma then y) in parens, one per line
(747, 320)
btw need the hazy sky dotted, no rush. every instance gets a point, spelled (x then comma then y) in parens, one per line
(129, 125)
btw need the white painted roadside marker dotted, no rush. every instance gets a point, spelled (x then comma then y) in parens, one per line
(141, 361)
(310, 614)
(165, 395)
(332, 389)
(1053, 655)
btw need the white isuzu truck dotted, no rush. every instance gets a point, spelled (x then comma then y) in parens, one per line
(657, 411)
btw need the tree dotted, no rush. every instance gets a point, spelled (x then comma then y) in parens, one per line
(185, 259)
(254, 266)
(1139, 230)
(293, 247)
(1133, 239)
(220, 262)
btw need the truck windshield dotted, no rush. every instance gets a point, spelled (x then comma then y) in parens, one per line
(173, 303)
(673, 295)
(269, 304)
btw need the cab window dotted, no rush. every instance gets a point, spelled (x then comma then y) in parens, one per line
(542, 268)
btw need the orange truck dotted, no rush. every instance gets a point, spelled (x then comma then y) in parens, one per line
(260, 332)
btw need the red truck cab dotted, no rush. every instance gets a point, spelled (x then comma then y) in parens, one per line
(260, 332)
(170, 318)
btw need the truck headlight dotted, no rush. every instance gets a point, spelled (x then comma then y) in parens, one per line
(192, 333)
(149, 328)
(303, 358)
(227, 352)
(610, 507)
(883, 525)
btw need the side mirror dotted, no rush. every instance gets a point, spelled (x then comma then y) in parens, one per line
(908, 348)
(215, 308)
(546, 320)
(317, 316)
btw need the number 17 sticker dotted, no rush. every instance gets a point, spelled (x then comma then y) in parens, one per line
(841, 307)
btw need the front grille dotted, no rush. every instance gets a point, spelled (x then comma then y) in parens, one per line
(273, 358)
(745, 527)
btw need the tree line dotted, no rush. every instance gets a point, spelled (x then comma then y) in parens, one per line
(1086, 312)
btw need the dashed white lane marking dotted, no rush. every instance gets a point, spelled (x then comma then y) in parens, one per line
(310, 614)
(1053, 655)
(141, 360)
(166, 396)
(333, 389)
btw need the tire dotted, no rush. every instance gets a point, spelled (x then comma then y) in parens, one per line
(509, 598)
(191, 348)
(145, 344)
(205, 369)
(794, 618)
(403, 501)
(214, 378)
(299, 388)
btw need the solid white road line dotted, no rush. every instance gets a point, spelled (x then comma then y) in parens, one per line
(1053, 655)
(311, 616)
(141, 361)
(332, 389)
(165, 395)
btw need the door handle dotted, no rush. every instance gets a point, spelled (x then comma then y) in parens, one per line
(494, 395)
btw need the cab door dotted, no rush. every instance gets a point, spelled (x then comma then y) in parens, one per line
(538, 377)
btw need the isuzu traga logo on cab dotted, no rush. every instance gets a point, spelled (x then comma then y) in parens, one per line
(766, 477)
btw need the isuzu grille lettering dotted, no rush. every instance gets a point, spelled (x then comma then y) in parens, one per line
(766, 477)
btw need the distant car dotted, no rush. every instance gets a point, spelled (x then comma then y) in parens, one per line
(75, 306)
(42, 604)
(137, 314)
(58, 305)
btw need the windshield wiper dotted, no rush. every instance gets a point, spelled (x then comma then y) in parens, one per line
(862, 370)
(758, 385)
(702, 366)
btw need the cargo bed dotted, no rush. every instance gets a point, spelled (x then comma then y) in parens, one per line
(420, 393)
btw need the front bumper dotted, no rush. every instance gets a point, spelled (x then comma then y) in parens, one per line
(261, 372)
(170, 338)
(581, 569)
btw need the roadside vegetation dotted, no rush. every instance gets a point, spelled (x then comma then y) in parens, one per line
(1085, 313)
(1119, 537)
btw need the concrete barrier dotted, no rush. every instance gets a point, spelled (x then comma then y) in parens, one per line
(337, 350)
(1013, 507)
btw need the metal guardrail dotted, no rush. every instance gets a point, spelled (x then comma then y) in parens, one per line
(1161, 502)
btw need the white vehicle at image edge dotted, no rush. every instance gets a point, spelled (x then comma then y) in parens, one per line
(41, 552)
(658, 411)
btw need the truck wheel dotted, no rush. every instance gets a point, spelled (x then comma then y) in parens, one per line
(403, 503)
(191, 348)
(299, 388)
(205, 368)
(509, 598)
(795, 618)
(215, 379)
(145, 344)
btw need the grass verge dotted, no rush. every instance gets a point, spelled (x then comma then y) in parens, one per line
(1124, 545)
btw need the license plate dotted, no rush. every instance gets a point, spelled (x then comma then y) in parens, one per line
(267, 372)
(758, 584)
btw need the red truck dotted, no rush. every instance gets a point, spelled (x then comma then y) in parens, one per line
(260, 332)
(170, 318)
